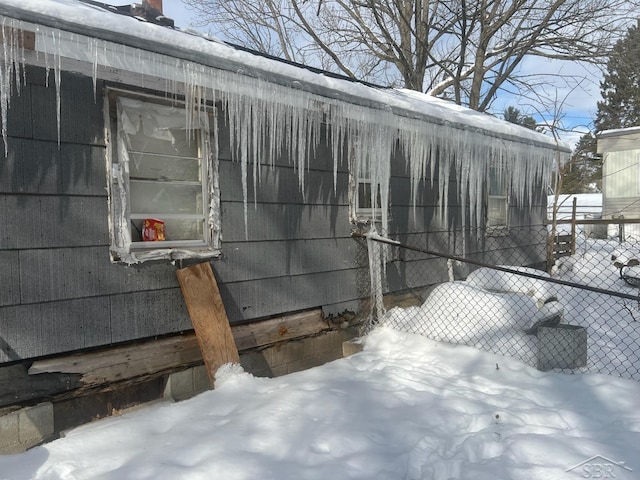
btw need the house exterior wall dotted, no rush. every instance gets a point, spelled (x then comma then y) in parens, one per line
(522, 243)
(621, 183)
(60, 292)
(620, 173)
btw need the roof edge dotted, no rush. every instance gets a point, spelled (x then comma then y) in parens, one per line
(209, 60)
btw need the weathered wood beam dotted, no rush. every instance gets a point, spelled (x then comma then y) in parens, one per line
(18, 387)
(208, 316)
(128, 361)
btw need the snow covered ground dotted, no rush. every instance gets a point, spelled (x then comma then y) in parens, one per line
(486, 312)
(405, 408)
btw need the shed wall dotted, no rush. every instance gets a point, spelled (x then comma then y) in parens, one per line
(621, 182)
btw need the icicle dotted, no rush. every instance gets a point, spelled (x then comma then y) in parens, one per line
(270, 121)
(94, 49)
(5, 84)
(12, 70)
(57, 74)
(376, 263)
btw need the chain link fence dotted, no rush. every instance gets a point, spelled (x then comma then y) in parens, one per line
(518, 298)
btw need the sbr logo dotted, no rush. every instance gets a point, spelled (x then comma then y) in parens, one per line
(598, 470)
(598, 467)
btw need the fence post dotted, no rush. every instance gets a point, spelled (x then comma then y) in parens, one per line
(551, 241)
(620, 227)
(573, 226)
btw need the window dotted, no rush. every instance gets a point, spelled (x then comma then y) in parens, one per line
(364, 207)
(363, 203)
(163, 189)
(497, 205)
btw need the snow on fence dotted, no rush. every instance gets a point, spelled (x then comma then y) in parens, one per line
(582, 316)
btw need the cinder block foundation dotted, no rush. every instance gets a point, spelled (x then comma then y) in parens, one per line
(30, 426)
(281, 359)
(351, 347)
(187, 383)
(25, 428)
(562, 346)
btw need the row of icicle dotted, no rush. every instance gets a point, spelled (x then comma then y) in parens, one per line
(268, 121)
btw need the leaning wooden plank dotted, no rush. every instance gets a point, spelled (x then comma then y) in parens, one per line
(208, 316)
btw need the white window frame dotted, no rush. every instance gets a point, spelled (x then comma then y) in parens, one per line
(502, 222)
(363, 211)
(366, 213)
(164, 118)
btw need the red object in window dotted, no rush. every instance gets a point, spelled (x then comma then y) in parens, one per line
(152, 230)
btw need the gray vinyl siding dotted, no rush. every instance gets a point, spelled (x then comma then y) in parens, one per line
(61, 293)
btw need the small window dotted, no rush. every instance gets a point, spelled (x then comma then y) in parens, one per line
(497, 204)
(163, 192)
(365, 209)
(363, 201)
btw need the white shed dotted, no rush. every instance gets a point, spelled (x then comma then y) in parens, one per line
(620, 149)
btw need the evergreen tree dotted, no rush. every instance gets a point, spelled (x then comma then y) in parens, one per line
(513, 115)
(620, 87)
(583, 172)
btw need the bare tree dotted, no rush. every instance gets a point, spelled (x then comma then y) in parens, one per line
(465, 50)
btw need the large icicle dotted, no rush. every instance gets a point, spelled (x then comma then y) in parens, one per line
(11, 69)
(269, 121)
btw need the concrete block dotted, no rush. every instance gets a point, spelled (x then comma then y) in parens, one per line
(284, 354)
(9, 434)
(280, 370)
(187, 383)
(201, 381)
(319, 345)
(179, 385)
(36, 423)
(26, 428)
(562, 346)
(255, 363)
(352, 346)
(303, 364)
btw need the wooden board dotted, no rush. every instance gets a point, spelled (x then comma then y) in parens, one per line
(138, 359)
(149, 357)
(274, 330)
(208, 316)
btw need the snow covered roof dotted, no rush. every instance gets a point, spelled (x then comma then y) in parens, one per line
(617, 132)
(283, 105)
(94, 21)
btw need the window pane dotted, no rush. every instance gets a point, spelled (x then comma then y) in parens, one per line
(155, 167)
(174, 230)
(497, 211)
(166, 180)
(184, 229)
(170, 141)
(157, 198)
(364, 195)
(497, 183)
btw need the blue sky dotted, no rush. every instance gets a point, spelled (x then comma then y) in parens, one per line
(579, 103)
